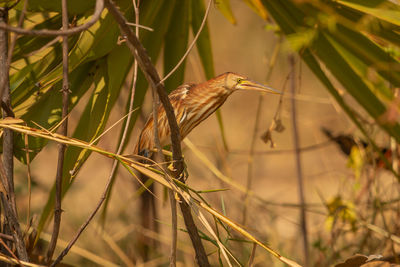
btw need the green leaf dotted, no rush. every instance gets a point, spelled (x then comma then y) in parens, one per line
(381, 9)
(225, 8)
(46, 110)
(203, 44)
(75, 7)
(27, 44)
(288, 16)
(30, 80)
(94, 43)
(353, 83)
(368, 52)
(175, 44)
(363, 70)
(356, 161)
(258, 7)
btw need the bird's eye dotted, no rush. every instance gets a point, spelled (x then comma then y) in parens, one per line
(239, 80)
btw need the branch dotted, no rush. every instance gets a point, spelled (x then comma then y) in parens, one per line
(45, 32)
(154, 80)
(64, 131)
(8, 200)
(111, 176)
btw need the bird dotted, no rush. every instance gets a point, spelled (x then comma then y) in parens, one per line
(192, 104)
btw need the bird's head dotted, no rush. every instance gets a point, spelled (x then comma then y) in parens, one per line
(233, 82)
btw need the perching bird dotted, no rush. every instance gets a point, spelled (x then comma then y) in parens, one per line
(192, 103)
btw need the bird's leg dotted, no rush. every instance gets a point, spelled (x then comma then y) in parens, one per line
(146, 153)
(185, 172)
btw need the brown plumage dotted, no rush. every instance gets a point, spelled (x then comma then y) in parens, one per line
(193, 104)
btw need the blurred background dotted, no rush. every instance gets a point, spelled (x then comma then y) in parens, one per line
(336, 186)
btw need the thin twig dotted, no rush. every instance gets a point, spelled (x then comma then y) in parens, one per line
(55, 40)
(9, 251)
(64, 131)
(29, 176)
(8, 237)
(154, 80)
(171, 195)
(9, 200)
(191, 45)
(84, 225)
(110, 178)
(45, 32)
(300, 180)
(125, 131)
(309, 148)
(136, 25)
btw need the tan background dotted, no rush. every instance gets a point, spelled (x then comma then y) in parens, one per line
(244, 48)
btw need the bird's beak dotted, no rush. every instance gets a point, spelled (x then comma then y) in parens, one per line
(250, 85)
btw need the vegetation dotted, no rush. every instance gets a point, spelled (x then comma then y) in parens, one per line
(67, 68)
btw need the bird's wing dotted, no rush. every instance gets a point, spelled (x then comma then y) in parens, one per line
(180, 93)
(177, 99)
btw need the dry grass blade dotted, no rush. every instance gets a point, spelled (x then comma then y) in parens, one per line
(383, 232)
(160, 178)
(242, 231)
(114, 247)
(214, 169)
(80, 251)
(13, 261)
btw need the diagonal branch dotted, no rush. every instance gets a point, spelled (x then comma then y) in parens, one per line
(154, 80)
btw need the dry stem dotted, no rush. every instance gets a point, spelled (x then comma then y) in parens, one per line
(64, 130)
(300, 180)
